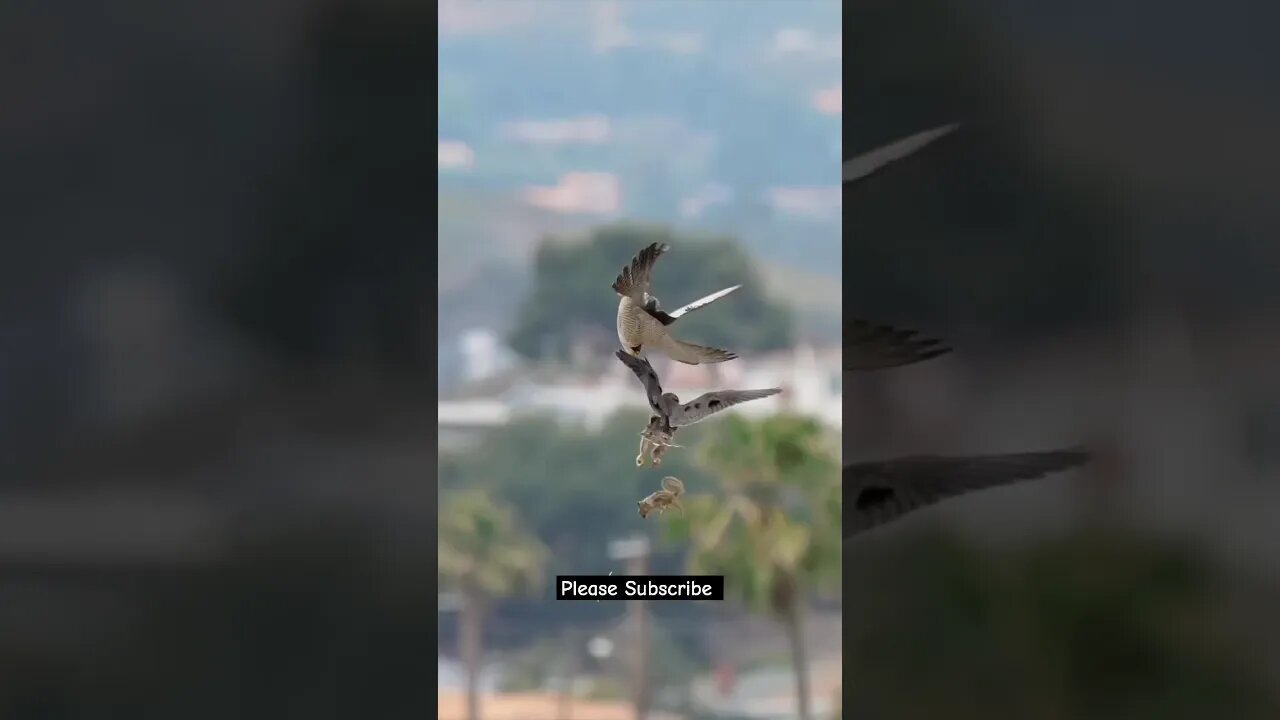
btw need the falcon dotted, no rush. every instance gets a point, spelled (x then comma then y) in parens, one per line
(877, 347)
(867, 163)
(875, 493)
(670, 415)
(643, 324)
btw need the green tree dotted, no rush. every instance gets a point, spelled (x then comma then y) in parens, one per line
(483, 555)
(773, 530)
(577, 490)
(571, 292)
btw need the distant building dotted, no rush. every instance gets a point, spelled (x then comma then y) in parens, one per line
(483, 354)
(586, 193)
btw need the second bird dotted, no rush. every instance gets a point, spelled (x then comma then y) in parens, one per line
(670, 415)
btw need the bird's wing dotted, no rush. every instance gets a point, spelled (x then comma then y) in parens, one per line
(690, 354)
(701, 302)
(644, 371)
(877, 492)
(708, 404)
(635, 279)
(863, 165)
(875, 347)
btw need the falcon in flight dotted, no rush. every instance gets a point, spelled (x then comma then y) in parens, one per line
(641, 321)
(877, 347)
(670, 415)
(867, 163)
(876, 492)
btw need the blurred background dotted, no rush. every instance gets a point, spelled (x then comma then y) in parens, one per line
(214, 334)
(571, 135)
(215, 453)
(1099, 244)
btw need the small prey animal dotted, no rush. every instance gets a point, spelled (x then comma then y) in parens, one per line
(654, 441)
(667, 497)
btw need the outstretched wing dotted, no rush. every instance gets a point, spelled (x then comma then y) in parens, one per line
(875, 347)
(877, 492)
(708, 404)
(644, 371)
(863, 165)
(667, 318)
(636, 278)
(689, 353)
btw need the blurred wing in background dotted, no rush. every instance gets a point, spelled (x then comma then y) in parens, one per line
(867, 163)
(876, 347)
(877, 492)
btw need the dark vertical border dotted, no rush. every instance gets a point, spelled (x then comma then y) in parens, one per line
(895, 128)
(429, 88)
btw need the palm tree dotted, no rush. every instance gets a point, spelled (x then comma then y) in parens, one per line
(773, 530)
(483, 555)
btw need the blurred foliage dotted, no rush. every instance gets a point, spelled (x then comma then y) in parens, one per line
(571, 292)
(338, 273)
(775, 517)
(1095, 625)
(576, 491)
(482, 551)
(483, 554)
(773, 528)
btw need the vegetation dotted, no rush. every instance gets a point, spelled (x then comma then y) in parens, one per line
(483, 555)
(772, 527)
